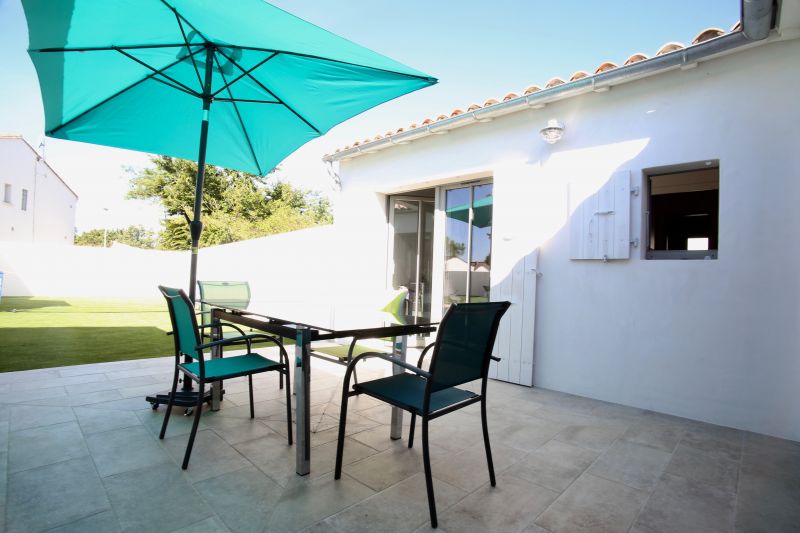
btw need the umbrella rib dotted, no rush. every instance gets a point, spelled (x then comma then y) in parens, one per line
(247, 101)
(272, 94)
(183, 32)
(329, 59)
(181, 89)
(175, 10)
(98, 104)
(108, 48)
(248, 71)
(239, 116)
(160, 72)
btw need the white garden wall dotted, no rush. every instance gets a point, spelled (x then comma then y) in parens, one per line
(712, 340)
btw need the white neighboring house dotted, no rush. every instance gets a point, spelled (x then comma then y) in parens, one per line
(36, 205)
(651, 254)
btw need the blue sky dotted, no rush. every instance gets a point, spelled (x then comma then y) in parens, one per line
(477, 49)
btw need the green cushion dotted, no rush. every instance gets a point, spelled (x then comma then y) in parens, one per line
(406, 391)
(340, 350)
(231, 367)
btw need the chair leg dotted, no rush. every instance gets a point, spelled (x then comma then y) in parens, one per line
(169, 404)
(280, 380)
(250, 382)
(486, 441)
(197, 410)
(288, 404)
(340, 442)
(411, 430)
(426, 460)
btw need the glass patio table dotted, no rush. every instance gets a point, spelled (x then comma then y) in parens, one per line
(309, 323)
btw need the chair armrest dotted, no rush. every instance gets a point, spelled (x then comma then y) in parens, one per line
(494, 358)
(222, 324)
(386, 357)
(424, 353)
(231, 340)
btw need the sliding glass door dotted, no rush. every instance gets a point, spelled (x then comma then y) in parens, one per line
(411, 222)
(468, 244)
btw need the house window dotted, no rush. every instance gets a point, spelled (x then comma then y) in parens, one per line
(683, 213)
(7, 193)
(24, 202)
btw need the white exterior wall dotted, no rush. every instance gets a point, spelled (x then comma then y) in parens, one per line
(715, 340)
(50, 216)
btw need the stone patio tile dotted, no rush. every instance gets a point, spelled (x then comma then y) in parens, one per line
(272, 455)
(24, 375)
(528, 433)
(307, 500)
(90, 398)
(662, 436)
(32, 384)
(772, 457)
(236, 430)
(679, 505)
(768, 504)
(146, 389)
(98, 420)
(179, 424)
(34, 395)
(509, 506)
(243, 499)
(634, 465)
(555, 465)
(259, 395)
(593, 504)
(595, 437)
(401, 507)
(97, 386)
(103, 522)
(378, 438)
(125, 449)
(468, 469)
(209, 525)
(54, 495)
(125, 404)
(211, 456)
(715, 439)
(134, 372)
(32, 416)
(384, 469)
(154, 499)
(45, 445)
(704, 467)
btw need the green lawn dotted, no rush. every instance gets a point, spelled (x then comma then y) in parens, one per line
(46, 332)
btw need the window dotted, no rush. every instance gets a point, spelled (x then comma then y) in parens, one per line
(7, 193)
(24, 202)
(683, 212)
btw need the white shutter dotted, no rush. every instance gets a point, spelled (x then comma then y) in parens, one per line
(514, 343)
(600, 224)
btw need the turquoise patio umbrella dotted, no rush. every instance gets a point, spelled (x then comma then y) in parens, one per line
(238, 83)
(481, 212)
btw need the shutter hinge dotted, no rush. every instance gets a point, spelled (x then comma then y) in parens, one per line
(635, 242)
(635, 191)
(611, 212)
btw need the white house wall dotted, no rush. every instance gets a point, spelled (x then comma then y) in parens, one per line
(711, 340)
(50, 214)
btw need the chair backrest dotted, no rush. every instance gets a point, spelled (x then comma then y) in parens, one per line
(184, 322)
(223, 293)
(464, 343)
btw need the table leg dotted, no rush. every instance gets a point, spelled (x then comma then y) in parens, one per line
(216, 352)
(399, 351)
(302, 381)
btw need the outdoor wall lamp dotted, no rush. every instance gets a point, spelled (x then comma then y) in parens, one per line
(553, 132)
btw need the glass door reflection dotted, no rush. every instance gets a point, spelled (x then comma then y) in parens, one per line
(468, 244)
(412, 226)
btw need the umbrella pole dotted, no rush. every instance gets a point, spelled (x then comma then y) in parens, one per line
(196, 226)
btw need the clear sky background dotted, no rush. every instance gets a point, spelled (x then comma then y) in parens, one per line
(477, 49)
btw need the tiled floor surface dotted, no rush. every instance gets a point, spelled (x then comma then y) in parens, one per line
(79, 452)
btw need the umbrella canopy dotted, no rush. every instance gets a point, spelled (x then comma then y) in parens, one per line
(131, 74)
(239, 84)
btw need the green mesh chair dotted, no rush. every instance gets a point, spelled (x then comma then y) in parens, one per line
(186, 333)
(461, 353)
(224, 294)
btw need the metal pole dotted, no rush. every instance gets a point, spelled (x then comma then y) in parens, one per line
(399, 351)
(302, 382)
(196, 226)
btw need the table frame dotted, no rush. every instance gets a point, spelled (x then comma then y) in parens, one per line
(304, 335)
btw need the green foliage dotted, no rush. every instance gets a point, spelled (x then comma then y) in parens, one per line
(136, 236)
(236, 205)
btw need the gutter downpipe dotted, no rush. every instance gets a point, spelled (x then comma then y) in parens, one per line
(757, 20)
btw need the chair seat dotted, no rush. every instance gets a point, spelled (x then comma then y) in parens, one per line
(407, 391)
(231, 367)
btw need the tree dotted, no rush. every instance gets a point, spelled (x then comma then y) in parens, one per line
(136, 236)
(235, 206)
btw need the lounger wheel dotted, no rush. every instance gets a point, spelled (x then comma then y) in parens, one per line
(188, 411)
(154, 406)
